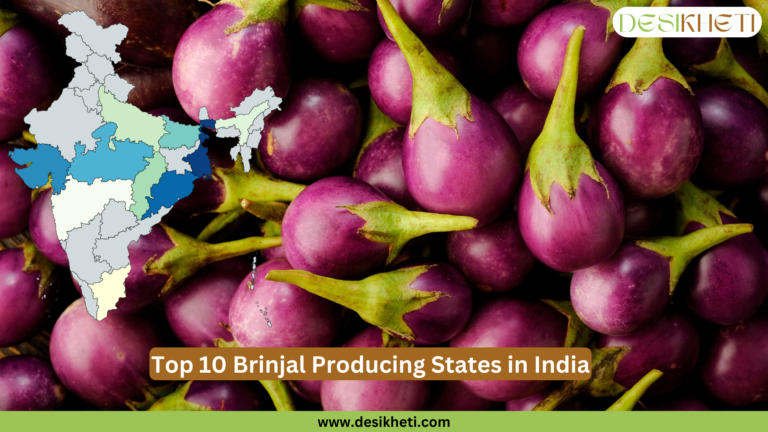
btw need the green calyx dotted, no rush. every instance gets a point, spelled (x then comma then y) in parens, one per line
(176, 401)
(254, 185)
(645, 63)
(221, 221)
(559, 156)
(152, 394)
(680, 251)
(389, 341)
(271, 229)
(381, 300)
(695, 205)
(8, 20)
(256, 11)
(339, 5)
(278, 391)
(761, 6)
(393, 224)
(613, 6)
(579, 335)
(272, 211)
(378, 125)
(628, 400)
(436, 93)
(725, 67)
(35, 261)
(600, 384)
(189, 255)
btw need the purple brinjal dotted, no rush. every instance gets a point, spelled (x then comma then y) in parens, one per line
(340, 31)
(459, 156)
(630, 290)
(647, 128)
(374, 395)
(727, 283)
(380, 161)
(508, 322)
(571, 211)
(422, 301)
(315, 133)
(543, 46)
(344, 228)
(228, 53)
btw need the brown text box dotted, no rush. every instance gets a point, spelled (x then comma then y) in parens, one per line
(553, 364)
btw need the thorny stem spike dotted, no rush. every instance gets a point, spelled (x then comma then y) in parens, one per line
(725, 67)
(256, 11)
(695, 205)
(436, 93)
(645, 63)
(680, 251)
(378, 125)
(381, 300)
(559, 156)
(600, 384)
(628, 400)
(189, 255)
(393, 224)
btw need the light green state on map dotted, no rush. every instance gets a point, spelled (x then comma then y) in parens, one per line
(142, 185)
(179, 135)
(243, 122)
(132, 123)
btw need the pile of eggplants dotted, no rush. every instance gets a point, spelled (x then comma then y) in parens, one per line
(448, 173)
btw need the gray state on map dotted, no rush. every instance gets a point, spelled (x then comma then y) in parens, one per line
(90, 97)
(100, 67)
(90, 303)
(101, 40)
(64, 124)
(77, 49)
(203, 115)
(118, 87)
(114, 250)
(228, 132)
(175, 158)
(115, 218)
(83, 79)
(257, 98)
(80, 244)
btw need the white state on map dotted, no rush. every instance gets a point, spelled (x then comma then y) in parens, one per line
(248, 123)
(79, 202)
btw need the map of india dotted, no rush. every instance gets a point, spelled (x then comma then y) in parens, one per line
(115, 170)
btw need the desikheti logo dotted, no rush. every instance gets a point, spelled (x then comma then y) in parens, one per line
(674, 22)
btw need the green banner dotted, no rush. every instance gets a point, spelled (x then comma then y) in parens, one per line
(319, 420)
